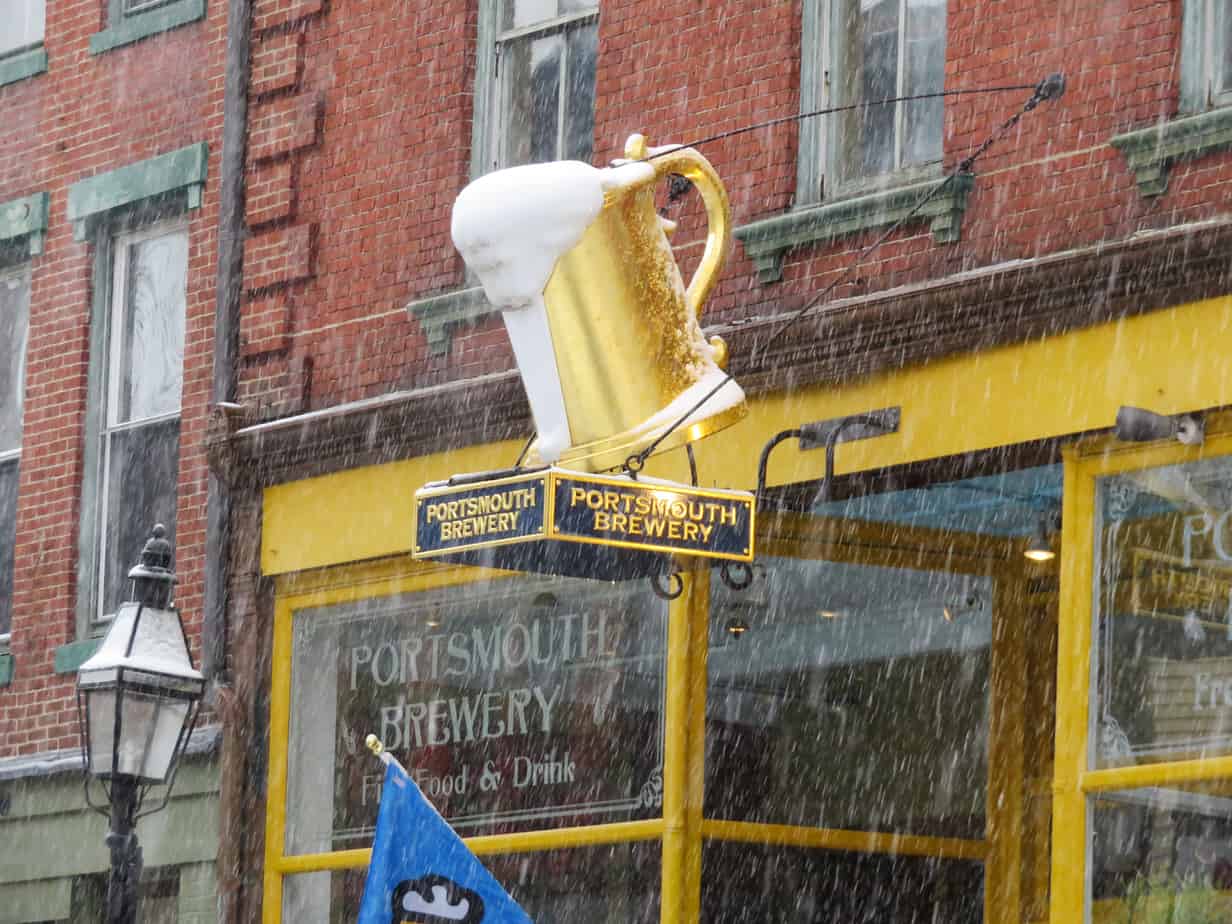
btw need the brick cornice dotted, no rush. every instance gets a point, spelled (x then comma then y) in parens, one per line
(983, 308)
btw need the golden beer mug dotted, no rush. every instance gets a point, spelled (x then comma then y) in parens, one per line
(610, 347)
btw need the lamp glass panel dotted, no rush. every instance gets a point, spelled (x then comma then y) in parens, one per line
(149, 730)
(168, 724)
(100, 720)
(138, 719)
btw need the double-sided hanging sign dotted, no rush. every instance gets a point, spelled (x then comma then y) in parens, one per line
(612, 356)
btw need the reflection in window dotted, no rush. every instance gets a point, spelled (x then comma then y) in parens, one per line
(515, 704)
(882, 49)
(140, 430)
(545, 75)
(1162, 854)
(14, 331)
(1163, 615)
(616, 883)
(857, 699)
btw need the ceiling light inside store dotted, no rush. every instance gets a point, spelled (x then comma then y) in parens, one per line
(1039, 549)
(737, 626)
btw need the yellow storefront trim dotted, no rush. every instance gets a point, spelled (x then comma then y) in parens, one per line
(520, 842)
(1045, 388)
(1169, 774)
(913, 845)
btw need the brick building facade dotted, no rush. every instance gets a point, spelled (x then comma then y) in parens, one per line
(1079, 266)
(108, 191)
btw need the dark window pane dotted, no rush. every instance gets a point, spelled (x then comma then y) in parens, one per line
(852, 701)
(616, 883)
(141, 469)
(8, 535)
(583, 47)
(530, 74)
(14, 324)
(756, 884)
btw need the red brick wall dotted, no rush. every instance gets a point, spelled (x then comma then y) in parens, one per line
(394, 149)
(86, 115)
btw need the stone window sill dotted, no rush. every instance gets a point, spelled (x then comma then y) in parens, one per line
(23, 224)
(71, 656)
(22, 64)
(136, 26)
(439, 314)
(1151, 152)
(768, 240)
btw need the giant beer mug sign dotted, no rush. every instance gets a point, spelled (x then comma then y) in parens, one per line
(610, 348)
(605, 332)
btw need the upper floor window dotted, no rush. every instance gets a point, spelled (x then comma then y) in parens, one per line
(542, 104)
(140, 415)
(23, 24)
(14, 326)
(883, 49)
(1207, 57)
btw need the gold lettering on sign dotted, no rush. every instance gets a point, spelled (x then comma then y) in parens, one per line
(679, 518)
(485, 515)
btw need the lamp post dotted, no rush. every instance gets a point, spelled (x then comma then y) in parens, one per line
(137, 703)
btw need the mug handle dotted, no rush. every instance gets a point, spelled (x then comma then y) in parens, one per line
(694, 167)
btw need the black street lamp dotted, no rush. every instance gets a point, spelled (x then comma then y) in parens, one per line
(137, 703)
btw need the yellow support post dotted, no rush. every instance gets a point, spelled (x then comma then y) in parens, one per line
(699, 645)
(675, 756)
(1069, 821)
(1004, 806)
(276, 791)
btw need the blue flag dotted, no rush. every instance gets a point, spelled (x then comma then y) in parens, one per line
(421, 872)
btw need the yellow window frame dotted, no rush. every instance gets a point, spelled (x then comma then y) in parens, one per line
(1074, 781)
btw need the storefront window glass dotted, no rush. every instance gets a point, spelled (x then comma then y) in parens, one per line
(1163, 615)
(857, 698)
(516, 704)
(1162, 854)
(763, 884)
(611, 884)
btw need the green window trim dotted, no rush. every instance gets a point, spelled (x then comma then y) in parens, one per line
(1151, 151)
(71, 656)
(23, 223)
(132, 27)
(768, 240)
(93, 198)
(23, 64)
(6, 669)
(439, 314)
